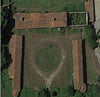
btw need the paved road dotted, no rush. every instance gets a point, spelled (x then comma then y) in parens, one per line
(97, 14)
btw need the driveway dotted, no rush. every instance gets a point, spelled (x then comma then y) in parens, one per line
(97, 15)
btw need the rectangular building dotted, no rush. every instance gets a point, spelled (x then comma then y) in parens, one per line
(77, 64)
(14, 70)
(40, 20)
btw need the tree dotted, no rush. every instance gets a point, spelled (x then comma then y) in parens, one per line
(91, 37)
(5, 56)
(70, 91)
(93, 91)
(28, 92)
(62, 92)
(79, 94)
(98, 80)
(53, 91)
(42, 93)
(4, 20)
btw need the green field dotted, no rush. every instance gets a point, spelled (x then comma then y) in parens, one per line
(47, 57)
(92, 66)
(74, 30)
(48, 5)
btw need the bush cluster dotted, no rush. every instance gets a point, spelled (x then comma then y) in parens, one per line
(89, 31)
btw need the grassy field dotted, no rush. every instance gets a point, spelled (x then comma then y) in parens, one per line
(6, 86)
(47, 5)
(32, 44)
(92, 65)
(47, 57)
(74, 30)
(74, 7)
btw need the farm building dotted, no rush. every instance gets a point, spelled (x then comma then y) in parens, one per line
(14, 70)
(89, 6)
(40, 20)
(78, 66)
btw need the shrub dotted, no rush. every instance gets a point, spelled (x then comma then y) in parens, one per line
(28, 92)
(91, 37)
(72, 31)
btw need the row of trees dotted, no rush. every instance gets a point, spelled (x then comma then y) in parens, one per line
(4, 42)
(7, 24)
(92, 91)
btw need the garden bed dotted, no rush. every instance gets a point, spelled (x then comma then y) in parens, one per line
(77, 19)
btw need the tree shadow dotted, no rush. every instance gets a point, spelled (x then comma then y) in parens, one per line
(47, 92)
(84, 62)
(94, 11)
(69, 20)
(22, 61)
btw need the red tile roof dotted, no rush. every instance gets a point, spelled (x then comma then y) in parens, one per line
(14, 71)
(89, 6)
(40, 20)
(77, 64)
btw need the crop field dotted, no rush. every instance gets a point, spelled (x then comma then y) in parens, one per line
(48, 5)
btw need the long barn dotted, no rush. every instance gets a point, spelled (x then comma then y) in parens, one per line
(40, 20)
(78, 77)
(14, 70)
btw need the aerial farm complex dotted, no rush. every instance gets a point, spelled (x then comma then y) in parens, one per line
(50, 49)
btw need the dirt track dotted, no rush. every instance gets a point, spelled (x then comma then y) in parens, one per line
(34, 77)
(48, 80)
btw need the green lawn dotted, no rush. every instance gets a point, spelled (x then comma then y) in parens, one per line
(74, 30)
(6, 86)
(47, 57)
(92, 74)
(74, 7)
(91, 71)
(46, 5)
(40, 30)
